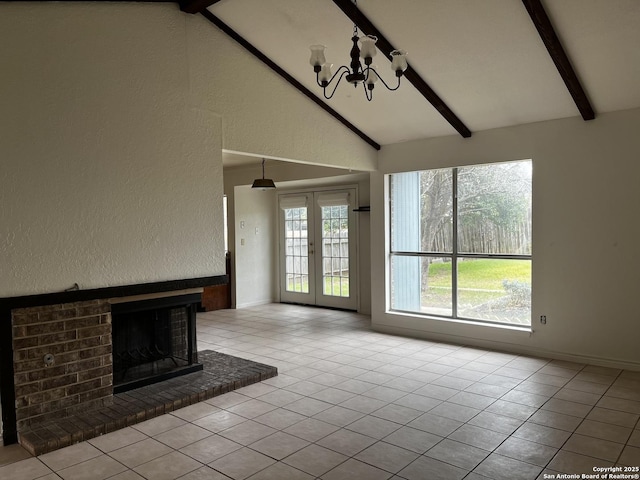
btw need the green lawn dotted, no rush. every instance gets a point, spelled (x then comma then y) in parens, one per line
(329, 286)
(479, 281)
(335, 287)
(487, 274)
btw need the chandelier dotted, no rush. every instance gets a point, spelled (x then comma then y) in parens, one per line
(367, 75)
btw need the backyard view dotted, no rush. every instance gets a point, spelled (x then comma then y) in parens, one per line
(335, 250)
(297, 250)
(477, 218)
(494, 290)
(332, 286)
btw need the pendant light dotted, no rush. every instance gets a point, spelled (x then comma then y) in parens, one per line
(263, 183)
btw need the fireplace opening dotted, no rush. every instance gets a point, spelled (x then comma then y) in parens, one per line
(153, 340)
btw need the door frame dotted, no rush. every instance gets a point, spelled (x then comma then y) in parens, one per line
(354, 237)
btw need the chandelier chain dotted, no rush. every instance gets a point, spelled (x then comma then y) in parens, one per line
(355, 27)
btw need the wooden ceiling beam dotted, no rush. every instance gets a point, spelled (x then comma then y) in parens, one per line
(277, 69)
(550, 39)
(196, 6)
(364, 24)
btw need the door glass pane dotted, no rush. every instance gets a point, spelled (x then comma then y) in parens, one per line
(421, 284)
(335, 251)
(296, 250)
(496, 290)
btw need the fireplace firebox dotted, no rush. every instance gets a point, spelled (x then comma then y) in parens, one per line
(153, 340)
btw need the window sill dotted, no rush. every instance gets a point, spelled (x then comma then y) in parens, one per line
(516, 328)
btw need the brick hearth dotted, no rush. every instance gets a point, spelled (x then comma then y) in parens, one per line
(222, 373)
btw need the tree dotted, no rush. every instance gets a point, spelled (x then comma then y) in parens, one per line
(493, 210)
(494, 203)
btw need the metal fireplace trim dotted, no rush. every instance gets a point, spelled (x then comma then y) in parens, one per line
(153, 303)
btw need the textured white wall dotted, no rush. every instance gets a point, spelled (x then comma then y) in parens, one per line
(262, 113)
(256, 261)
(108, 176)
(113, 118)
(585, 235)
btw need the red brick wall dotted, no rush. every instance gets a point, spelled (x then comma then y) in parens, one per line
(78, 335)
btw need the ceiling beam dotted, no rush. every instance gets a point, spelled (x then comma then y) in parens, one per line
(88, 1)
(277, 69)
(196, 6)
(558, 55)
(364, 24)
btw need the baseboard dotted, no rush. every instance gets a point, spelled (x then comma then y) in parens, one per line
(507, 347)
(255, 304)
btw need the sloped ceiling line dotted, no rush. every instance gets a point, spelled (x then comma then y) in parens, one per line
(364, 24)
(277, 69)
(550, 39)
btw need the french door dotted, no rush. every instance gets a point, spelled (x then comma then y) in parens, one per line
(318, 248)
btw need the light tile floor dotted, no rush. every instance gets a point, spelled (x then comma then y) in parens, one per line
(350, 403)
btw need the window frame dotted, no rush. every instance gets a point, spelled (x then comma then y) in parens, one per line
(454, 255)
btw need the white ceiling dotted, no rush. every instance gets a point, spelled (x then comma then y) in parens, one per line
(484, 58)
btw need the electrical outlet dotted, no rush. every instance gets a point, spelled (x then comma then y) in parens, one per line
(543, 319)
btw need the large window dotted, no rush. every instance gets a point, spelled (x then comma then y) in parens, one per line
(461, 242)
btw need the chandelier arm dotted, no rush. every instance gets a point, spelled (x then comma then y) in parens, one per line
(324, 89)
(367, 93)
(382, 79)
(346, 70)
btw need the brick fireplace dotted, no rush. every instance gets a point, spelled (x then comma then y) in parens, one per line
(66, 355)
(56, 350)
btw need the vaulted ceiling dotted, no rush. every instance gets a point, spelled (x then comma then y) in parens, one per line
(485, 61)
